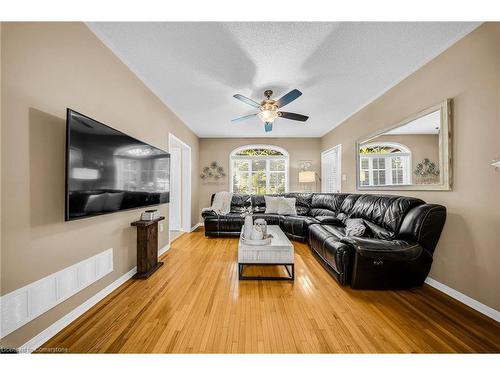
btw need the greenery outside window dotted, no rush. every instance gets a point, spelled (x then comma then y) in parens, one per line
(259, 169)
(383, 164)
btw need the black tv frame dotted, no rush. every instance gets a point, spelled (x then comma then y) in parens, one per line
(66, 171)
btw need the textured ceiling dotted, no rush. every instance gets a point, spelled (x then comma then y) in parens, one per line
(195, 68)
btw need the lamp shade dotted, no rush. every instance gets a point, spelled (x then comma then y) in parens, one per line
(307, 176)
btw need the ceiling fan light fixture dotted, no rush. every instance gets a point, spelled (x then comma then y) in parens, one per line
(268, 115)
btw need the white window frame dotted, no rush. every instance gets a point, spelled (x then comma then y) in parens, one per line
(233, 156)
(407, 169)
(324, 154)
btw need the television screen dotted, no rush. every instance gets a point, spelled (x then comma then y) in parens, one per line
(108, 171)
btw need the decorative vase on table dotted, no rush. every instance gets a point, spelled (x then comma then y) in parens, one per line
(256, 233)
(248, 226)
(262, 225)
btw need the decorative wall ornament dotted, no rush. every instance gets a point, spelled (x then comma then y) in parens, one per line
(496, 163)
(427, 172)
(305, 165)
(213, 172)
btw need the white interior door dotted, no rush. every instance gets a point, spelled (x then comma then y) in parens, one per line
(331, 170)
(175, 209)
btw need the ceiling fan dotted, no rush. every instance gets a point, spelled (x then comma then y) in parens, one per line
(269, 108)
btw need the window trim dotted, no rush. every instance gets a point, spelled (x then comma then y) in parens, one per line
(286, 157)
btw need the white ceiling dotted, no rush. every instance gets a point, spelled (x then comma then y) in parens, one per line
(428, 124)
(195, 68)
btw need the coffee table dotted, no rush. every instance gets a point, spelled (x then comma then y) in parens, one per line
(279, 252)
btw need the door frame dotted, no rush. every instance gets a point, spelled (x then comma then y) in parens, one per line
(186, 169)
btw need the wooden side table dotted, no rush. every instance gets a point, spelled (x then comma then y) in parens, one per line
(147, 247)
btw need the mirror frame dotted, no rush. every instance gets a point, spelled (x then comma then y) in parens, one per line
(445, 150)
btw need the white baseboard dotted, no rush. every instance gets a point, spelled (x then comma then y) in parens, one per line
(196, 226)
(466, 300)
(56, 327)
(163, 250)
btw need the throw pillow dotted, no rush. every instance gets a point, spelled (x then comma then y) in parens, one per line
(342, 217)
(286, 206)
(272, 204)
(354, 227)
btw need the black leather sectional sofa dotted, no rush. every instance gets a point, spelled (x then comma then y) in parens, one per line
(395, 251)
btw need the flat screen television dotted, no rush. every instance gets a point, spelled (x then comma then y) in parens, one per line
(108, 171)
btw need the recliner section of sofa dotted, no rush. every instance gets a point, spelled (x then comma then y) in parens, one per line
(395, 252)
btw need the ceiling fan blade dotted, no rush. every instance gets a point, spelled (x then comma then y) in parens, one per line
(288, 98)
(268, 126)
(244, 117)
(246, 100)
(293, 116)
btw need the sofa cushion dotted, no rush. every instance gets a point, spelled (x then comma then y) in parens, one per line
(386, 211)
(348, 203)
(286, 206)
(329, 220)
(259, 202)
(326, 204)
(272, 204)
(302, 202)
(297, 225)
(354, 227)
(342, 217)
(376, 231)
(239, 202)
(335, 231)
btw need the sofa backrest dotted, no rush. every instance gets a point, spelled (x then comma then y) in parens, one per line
(302, 202)
(386, 216)
(386, 211)
(238, 203)
(325, 204)
(259, 202)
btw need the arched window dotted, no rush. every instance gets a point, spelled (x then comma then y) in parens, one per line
(384, 163)
(259, 169)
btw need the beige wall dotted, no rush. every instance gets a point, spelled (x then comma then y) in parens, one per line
(45, 68)
(467, 257)
(218, 149)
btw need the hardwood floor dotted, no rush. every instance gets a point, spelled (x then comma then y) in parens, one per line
(195, 304)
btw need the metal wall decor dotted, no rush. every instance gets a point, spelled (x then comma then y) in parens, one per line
(212, 172)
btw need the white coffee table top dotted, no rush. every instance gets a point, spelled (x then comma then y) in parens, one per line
(279, 251)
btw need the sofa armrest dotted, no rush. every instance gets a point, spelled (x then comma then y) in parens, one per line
(332, 220)
(310, 220)
(207, 213)
(396, 250)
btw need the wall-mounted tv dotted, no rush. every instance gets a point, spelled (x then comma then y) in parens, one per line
(109, 171)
